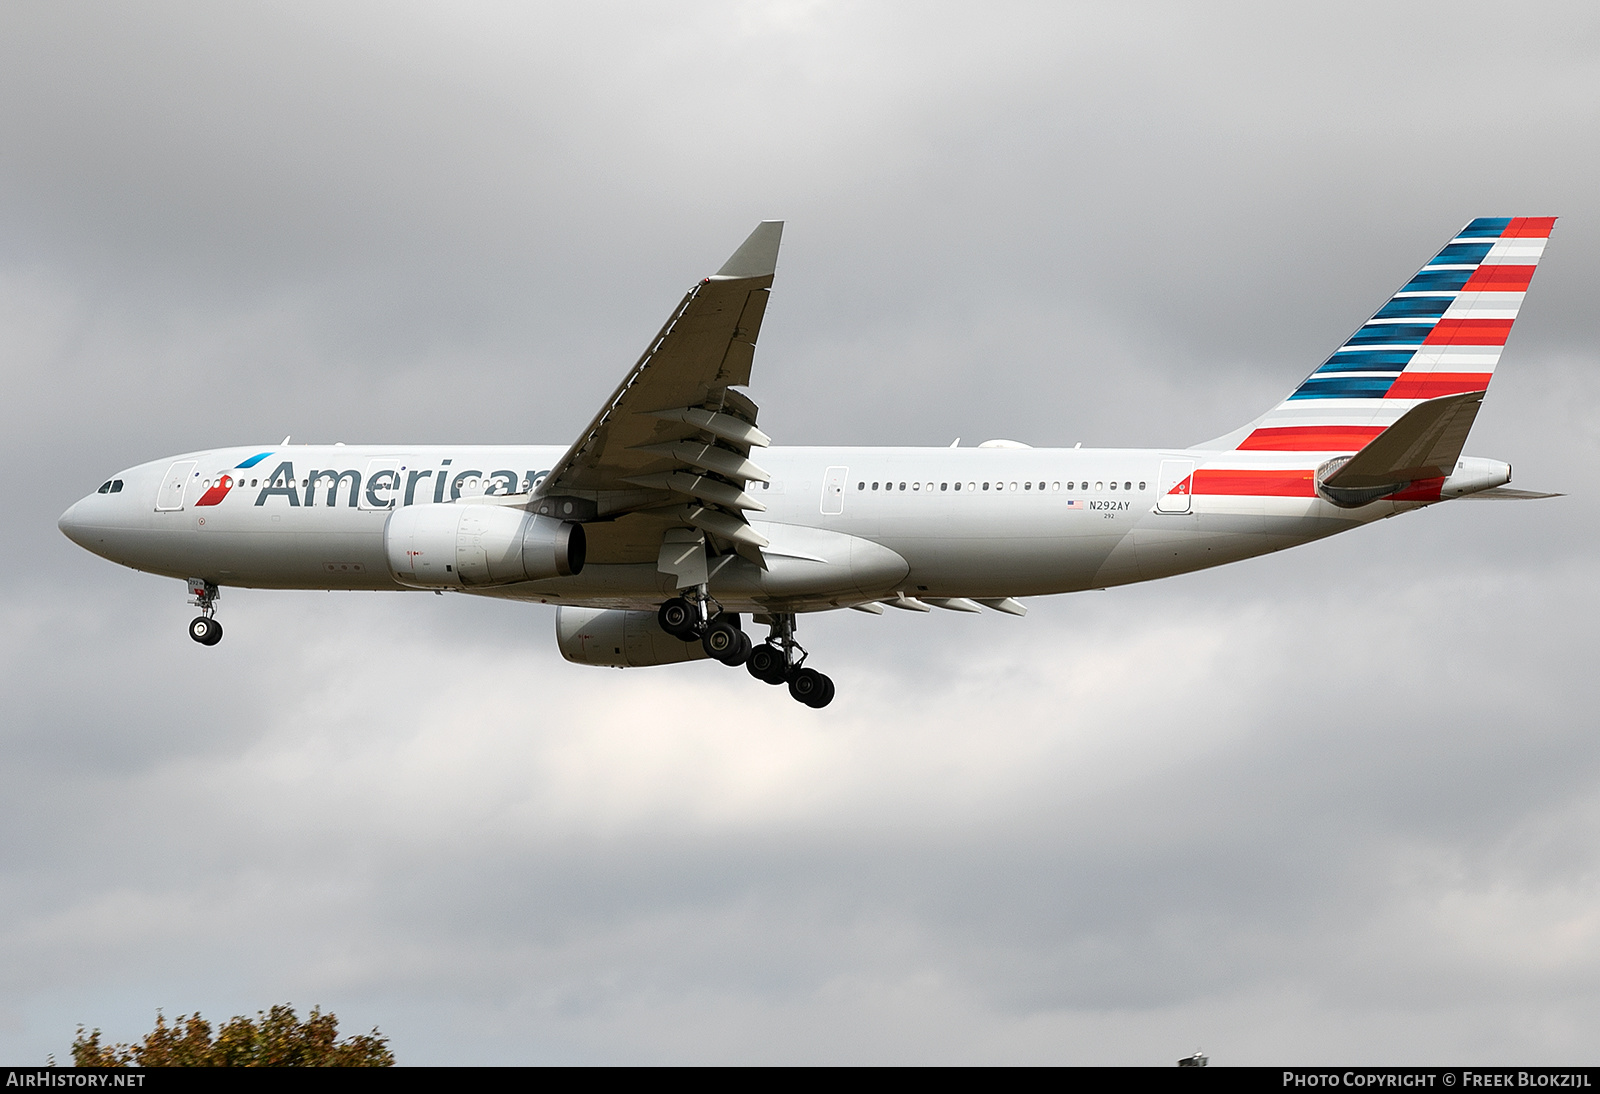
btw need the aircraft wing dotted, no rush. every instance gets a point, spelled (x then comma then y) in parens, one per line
(673, 443)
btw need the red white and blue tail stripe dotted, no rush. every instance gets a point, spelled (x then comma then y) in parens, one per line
(1441, 334)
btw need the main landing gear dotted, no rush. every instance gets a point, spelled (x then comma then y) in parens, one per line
(205, 629)
(778, 660)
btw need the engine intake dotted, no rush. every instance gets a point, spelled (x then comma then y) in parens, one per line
(464, 546)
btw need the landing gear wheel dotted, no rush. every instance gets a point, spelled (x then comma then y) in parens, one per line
(725, 642)
(678, 618)
(767, 664)
(811, 688)
(205, 630)
(827, 695)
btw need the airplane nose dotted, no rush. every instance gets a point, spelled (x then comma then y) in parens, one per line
(73, 525)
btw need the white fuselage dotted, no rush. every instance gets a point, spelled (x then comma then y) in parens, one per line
(846, 525)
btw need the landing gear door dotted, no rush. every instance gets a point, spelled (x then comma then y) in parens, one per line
(833, 491)
(169, 499)
(1174, 486)
(382, 485)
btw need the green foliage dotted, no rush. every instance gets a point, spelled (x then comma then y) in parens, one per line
(276, 1039)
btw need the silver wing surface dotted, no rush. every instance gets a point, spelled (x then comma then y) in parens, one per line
(671, 450)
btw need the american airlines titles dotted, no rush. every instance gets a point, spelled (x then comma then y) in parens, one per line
(385, 484)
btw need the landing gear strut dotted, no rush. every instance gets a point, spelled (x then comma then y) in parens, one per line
(204, 628)
(808, 686)
(778, 660)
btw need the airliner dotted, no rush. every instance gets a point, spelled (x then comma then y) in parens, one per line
(673, 517)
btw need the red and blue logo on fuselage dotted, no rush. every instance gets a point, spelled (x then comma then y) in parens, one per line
(219, 489)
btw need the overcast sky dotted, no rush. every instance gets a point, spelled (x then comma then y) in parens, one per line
(1341, 804)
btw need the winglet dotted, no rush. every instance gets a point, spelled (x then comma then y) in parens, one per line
(757, 256)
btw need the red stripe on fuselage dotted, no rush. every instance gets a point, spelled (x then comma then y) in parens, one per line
(1499, 279)
(1310, 438)
(1431, 385)
(1421, 490)
(1294, 483)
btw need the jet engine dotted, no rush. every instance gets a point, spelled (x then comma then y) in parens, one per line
(456, 546)
(592, 636)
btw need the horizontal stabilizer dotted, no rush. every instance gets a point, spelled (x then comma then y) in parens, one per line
(1423, 444)
(1509, 493)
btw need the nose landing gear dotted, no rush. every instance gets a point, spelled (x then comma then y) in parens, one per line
(204, 628)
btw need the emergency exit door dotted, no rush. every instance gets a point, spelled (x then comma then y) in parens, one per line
(833, 491)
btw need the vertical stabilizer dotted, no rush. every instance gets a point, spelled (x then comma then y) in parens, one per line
(1441, 334)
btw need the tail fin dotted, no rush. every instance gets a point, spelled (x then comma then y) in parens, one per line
(1441, 334)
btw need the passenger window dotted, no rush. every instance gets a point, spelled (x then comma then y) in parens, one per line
(972, 486)
(874, 486)
(1127, 486)
(1027, 486)
(861, 486)
(943, 487)
(1141, 486)
(1099, 486)
(958, 487)
(1013, 486)
(1113, 486)
(916, 486)
(986, 486)
(902, 486)
(1055, 486)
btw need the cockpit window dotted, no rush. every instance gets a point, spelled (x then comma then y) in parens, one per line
(105, 487)
(116, 486)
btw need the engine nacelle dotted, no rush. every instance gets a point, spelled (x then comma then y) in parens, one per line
(621, 639)
(455, 546)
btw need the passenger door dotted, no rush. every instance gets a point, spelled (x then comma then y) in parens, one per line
(1174, 486)
(169, 499)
